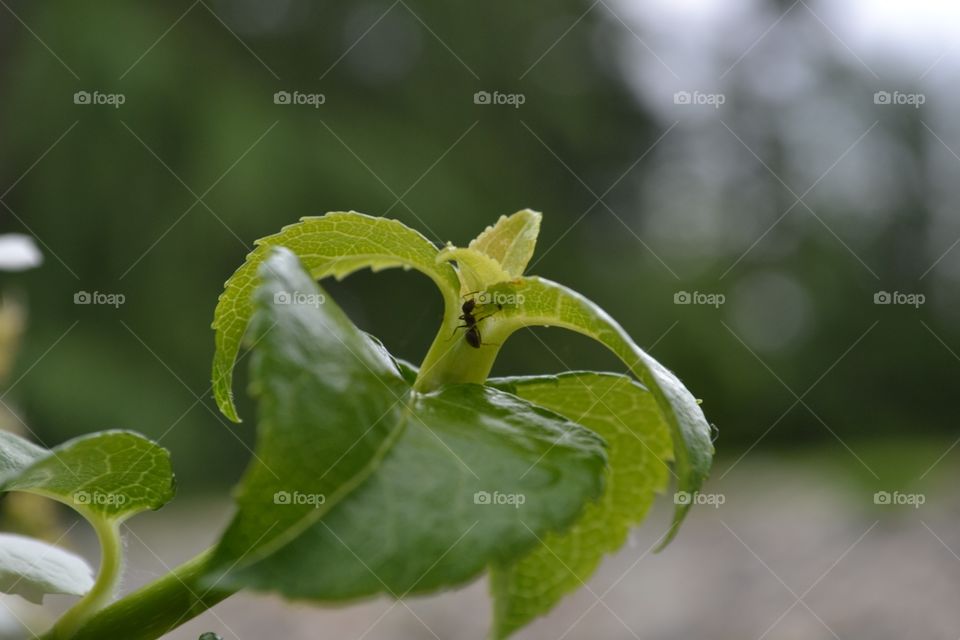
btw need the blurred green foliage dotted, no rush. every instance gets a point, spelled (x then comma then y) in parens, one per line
(114, 202)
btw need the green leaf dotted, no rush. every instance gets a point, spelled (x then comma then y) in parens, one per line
(360, 485)
(541, 302)
(626, 415)
(335, 244)
(32, 569)
(106, 477)
(422, 521)
(110, 475)
(511, 241)
(330, 402)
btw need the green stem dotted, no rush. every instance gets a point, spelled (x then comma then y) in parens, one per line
(150, 612)
(451, 360)
(111, 565)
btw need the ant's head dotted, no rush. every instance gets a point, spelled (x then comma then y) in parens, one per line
(470, 301)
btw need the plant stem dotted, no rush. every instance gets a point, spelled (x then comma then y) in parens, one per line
(451, 360)
(111, 564)
(150, 612)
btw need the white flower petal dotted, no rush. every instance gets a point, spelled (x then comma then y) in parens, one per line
(18, 252)
(32, 569)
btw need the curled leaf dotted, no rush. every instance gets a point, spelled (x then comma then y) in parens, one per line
(545, 303)
(336, 244)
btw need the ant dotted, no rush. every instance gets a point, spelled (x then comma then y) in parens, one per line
(471, 322)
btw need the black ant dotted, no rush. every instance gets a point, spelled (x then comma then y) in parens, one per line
(471, 322)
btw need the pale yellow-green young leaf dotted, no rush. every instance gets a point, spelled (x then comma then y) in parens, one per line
(335, 244)
(477, 270)
(639, 449)
(511, 240)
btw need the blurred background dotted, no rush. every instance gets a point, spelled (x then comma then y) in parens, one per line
(763, 193)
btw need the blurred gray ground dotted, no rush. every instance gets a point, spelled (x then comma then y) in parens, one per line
(788, 529)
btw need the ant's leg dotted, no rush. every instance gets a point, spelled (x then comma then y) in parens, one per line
(488, 315)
